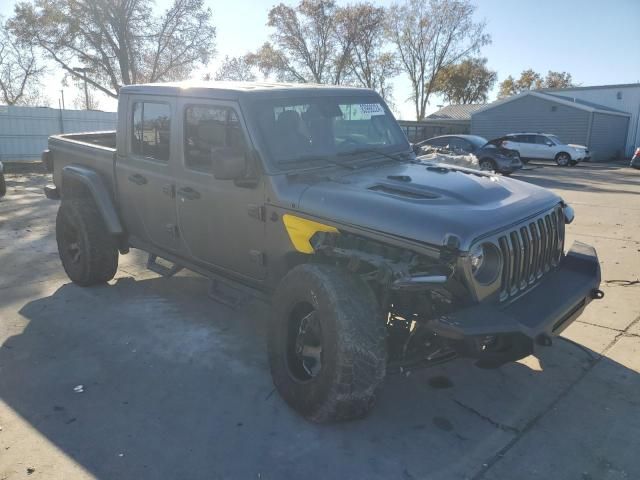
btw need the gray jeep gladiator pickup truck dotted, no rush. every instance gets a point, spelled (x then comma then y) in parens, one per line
(311, 197)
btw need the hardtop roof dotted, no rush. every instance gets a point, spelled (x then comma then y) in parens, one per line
(235, 90)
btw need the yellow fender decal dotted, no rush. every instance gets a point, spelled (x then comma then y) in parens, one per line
(301, 230)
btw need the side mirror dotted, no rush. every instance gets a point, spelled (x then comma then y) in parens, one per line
(228, 163)
(549, 144)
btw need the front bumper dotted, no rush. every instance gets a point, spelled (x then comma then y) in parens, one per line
(531, 319)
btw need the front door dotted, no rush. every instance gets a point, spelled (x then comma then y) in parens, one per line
(220, 221)
(145, 173)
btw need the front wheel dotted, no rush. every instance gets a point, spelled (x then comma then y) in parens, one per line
(88, 252)
(563, 159)
(326, 343)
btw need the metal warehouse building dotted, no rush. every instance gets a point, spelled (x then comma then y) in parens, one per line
(603, 129)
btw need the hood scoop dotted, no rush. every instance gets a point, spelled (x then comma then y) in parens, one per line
(404, 192)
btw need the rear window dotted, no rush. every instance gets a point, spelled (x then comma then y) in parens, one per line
(151, 132)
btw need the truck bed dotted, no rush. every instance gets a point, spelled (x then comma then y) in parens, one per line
(96, 150)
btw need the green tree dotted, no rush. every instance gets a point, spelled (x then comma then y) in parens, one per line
(466, 82)
(531, 80)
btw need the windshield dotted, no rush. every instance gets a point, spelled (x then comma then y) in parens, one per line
(316, 129)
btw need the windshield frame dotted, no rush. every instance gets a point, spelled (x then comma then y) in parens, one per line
(250, 107)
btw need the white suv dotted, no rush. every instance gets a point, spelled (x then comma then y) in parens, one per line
(543, 146)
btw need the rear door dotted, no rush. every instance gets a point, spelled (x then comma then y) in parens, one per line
(145, 171)
(526, 145)
(221, 222)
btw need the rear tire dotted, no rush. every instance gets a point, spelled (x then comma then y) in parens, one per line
(487, 165)
(326, 343)
(88, 252)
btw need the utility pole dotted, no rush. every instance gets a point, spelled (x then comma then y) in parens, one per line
(83, 71)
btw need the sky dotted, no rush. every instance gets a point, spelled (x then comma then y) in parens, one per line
(596, 41)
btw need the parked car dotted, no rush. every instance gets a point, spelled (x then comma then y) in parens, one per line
(635, 161)
(311, 197)
(543, 146)
(3, 184)
(490, 157)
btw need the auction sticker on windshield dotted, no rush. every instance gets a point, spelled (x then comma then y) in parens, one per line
(371, 109)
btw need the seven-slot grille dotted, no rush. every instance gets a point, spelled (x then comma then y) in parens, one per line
(531, 250)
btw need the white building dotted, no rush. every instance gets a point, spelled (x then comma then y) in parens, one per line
(625, 97)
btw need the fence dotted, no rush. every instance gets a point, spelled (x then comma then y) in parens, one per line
(24, 130)
(427, 128)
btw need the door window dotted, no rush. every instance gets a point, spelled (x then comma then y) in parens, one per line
(460, 145)
(542, 140)
(151, 132)
(529, 139)
(208, 128)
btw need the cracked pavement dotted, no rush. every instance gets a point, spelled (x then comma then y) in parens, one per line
(178, 386)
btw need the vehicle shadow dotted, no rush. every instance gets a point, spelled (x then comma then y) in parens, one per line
(178, 386)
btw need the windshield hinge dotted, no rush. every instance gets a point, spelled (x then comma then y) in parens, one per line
(257, 211)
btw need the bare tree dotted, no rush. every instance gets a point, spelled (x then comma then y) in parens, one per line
(360, 28)
(466, 82)
(303, 45)
(430, 36)
(120, 41)
(20, 72)
(235, 69)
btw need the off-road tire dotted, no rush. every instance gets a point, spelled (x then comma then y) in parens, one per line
(3, 185)
(353, 340)
(96, 260)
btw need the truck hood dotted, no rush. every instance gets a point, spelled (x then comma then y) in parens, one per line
(425, 203)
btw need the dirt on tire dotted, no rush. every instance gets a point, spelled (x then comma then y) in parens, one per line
(354, 348)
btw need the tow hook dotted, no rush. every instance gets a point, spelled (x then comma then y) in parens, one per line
(544, 340)
(597, 294)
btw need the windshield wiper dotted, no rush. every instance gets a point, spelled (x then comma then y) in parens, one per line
(313, 158)
(392, 156)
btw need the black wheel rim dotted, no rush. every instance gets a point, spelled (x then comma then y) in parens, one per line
(304, 343)
(71, 242)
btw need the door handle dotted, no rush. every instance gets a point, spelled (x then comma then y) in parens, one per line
(137, 179)
(189, 193)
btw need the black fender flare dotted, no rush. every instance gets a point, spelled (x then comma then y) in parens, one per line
(76, 179)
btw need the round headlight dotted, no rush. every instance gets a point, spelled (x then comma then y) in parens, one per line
(485, 263)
